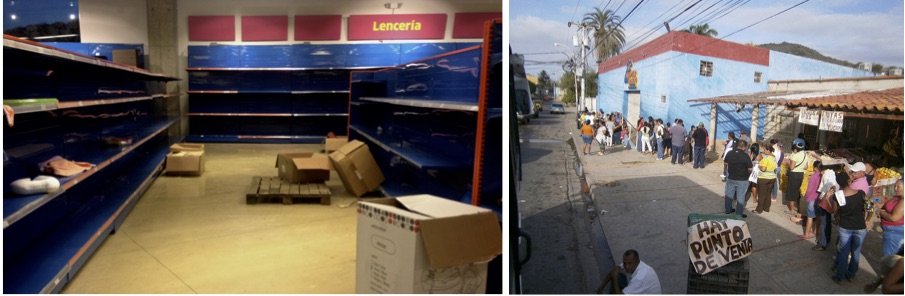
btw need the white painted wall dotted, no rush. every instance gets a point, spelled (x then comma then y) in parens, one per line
(114, 21)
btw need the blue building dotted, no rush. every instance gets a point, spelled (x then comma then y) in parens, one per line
(660, 77)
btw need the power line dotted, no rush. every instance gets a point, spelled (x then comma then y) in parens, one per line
(667, 21)
(655, 19)
(619, 25)
(724, 37)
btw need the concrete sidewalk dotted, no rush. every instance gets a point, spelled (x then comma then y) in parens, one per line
(646, 204)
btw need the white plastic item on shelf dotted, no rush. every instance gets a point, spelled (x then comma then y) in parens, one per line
(40, 184)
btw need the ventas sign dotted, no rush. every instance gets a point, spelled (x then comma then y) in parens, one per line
(714, 243)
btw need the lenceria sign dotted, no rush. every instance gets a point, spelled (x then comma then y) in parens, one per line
(397, 26)
(714, 243)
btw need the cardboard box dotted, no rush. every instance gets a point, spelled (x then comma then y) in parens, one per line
(185, 159)
(303, 167)
(424, 244)
(333, 144)
(357, 168)
(126, 57)
(185, 163)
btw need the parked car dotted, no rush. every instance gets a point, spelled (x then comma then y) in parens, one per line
(557, 108)
(548, 98)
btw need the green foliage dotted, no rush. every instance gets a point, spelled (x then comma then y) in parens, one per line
(567, 83)
(703, 30)
(877, 68)
(609, 36)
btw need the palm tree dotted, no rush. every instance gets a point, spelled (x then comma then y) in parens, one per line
(703, 30)
(609, 36)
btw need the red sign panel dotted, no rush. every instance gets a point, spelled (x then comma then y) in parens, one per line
(265, 28)
(397, 26)
(212, 28)
(471, 24)
(318, 27)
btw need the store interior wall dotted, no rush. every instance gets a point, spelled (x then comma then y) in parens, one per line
(127, 21)
(114, 21)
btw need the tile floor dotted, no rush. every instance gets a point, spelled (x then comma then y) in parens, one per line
(197, 235)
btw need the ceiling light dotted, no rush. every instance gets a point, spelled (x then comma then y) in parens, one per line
(71, 16)
(13, 16)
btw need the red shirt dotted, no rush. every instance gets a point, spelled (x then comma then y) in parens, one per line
(890, 206)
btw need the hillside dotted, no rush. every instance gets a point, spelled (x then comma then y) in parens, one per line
(804, 51)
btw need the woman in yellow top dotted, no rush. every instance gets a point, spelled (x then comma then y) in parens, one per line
(766, 180)
(587, 135)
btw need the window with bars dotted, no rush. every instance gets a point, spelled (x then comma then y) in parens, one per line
(706, 68)
(757, 77)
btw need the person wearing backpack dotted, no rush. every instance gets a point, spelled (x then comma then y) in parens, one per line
(658, 131)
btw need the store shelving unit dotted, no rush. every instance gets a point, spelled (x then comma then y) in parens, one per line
(47, 237)
(434, 125)
(281, 93)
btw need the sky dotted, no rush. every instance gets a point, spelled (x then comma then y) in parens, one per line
(851, 30)
(28, 12)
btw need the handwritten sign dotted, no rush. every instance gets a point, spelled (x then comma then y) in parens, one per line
(809, 117)
(831, 121)
(714, 243)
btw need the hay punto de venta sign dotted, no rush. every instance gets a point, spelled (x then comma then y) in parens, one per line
(831, 121)
(809, 117)
(397, 26)
(714, 243)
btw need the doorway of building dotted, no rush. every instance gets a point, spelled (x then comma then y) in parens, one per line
(634, 107)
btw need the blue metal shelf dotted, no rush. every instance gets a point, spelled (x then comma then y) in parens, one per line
(51, 262)
(15, 208)
(45, 51)
(426, 103)
(415, 155)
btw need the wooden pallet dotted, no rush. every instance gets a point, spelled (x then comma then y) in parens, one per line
(264, 189)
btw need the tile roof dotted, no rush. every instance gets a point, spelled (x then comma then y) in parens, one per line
(770, 97)
(888, 101)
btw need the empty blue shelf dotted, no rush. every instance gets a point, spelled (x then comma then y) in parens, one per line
(418, 157)
(48, 264)
(436, 104)
(14, 208)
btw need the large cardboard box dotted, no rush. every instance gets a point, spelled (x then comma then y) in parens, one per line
(333, 144)
(303, 167)
(357, 168)
(424, 244)
(126, 57)
(185, 159)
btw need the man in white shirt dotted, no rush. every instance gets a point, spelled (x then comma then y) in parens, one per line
(632, 277)
(824, 227)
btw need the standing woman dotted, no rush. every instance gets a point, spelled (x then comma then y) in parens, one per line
(891, 220)
(645, 139)
(766, 180)
(610, 127)
(852, 229)
(587, 135)
(602, 138)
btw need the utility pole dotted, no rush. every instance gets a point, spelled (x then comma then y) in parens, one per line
(582, 40)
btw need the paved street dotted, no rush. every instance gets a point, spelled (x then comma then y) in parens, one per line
(553, 211)
(647, 203)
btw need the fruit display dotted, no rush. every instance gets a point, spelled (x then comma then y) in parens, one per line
(887, 176)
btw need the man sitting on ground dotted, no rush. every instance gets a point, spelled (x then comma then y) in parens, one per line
(632, 277)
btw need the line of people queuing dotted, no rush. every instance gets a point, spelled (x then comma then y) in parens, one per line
(818, 196)
(647, 136)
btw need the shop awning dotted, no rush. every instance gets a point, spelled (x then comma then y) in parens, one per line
(771, 97)
(879, 104)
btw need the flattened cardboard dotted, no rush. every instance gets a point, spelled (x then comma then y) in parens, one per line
(185, 163)
(303, 167)
(333, 144)
(394, 255)
(357, 168)
(186, 147)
